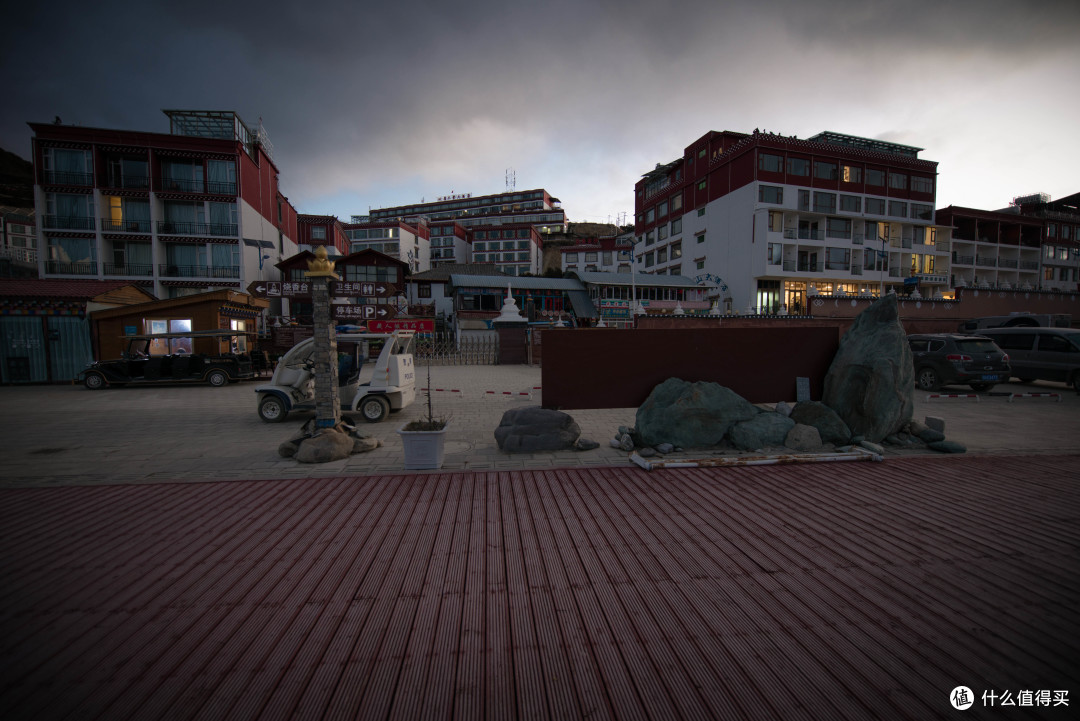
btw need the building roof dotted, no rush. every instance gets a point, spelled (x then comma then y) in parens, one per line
(62, 288)
(646, 280)
(442, 273)
(524, 283)
(232, 297)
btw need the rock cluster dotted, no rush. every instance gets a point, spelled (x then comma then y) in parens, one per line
(532, 429)
(323, 445)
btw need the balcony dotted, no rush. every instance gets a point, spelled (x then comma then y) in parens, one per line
(190, 185)
(69, 222)
(139, 269)
(198, 271)
(1029, 265)
(64, 267)
(964, 260)
(988, 262)
(125, 226)
(857, 239)
(65, 177)
(130, 182)
(1008, 263)
(168, 227)
(856, 269)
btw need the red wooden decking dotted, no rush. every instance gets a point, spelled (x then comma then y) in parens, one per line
(826, 591)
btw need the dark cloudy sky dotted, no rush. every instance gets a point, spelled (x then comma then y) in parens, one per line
(372, 104)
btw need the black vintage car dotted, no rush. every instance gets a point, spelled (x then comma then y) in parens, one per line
(194, 356)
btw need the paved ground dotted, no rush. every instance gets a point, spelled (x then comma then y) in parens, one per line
(69, 435)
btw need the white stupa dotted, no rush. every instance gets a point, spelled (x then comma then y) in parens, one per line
(510, 312)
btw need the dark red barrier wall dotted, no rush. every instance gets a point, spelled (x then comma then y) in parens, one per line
(611, 368)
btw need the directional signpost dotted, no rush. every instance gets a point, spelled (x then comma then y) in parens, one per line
(364, 312)
(361, 289)
(280, 289)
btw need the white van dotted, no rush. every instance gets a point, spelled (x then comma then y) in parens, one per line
(1048, 354)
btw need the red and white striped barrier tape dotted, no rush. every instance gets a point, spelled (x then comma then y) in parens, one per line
(509, 393)
(460, 393)
(1034, 395)
(953, 395)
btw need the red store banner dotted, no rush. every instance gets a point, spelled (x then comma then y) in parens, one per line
(386, 326)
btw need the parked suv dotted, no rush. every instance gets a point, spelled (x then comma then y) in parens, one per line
(942, 359)
(1048, 354)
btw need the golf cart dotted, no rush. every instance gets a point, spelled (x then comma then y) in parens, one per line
(392, 385)
(183, 357)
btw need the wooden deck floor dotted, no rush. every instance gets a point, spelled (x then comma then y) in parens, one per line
(826, 591)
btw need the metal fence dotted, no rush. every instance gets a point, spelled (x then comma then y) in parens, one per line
(445, 349)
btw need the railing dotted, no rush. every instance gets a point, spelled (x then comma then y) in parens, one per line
(836, 265)
(857, 239)
(64, 267)
(856, 269)
(210, 187)
(810, 267)
(789, 266)
(198, 271)
(1029, 265)
(168, 227)
(983, 260)
(67, 222)
(1008, 263)
(125, 226)
(894, 272)
(22, 255)
(129, 269)
(965, 259)
(64, 177)
(134, 182)
(774, 261)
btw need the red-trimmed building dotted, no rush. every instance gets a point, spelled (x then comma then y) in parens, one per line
(769, 218)
(610, 254)
(407, 241)
(183, 212)
(513, 248)
(535, 207)
(315, 230)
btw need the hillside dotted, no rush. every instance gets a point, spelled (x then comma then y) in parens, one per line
(16, 180)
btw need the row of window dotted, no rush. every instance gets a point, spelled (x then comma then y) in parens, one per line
(501, 245)
(827, 203)
(829, 170)
(1066, 274)
(1051, 252)
(504, 257)
(1068, 232)
(372, 233)
(660, 255)
(673, 205)
(509, 233)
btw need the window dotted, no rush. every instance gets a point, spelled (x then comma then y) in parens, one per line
(824, 170)
(650, 238)
(776, 253)
(850, 203)
(897, 209)
(838, 228)
(770, 163)
(921, 185)
(661, 255)
(590, 257)
(804, 200)
(571, 257)
(875, 206)
(851, 174)
(423, 290)
(650, 259)
(875, 176)
(676, 202)
(701, 238)
(607, 257)
(700, 212)
(824, 202)
(776, 221)
(650, 215)
(701, 185)
(1048, 251)
(318, 232)
(898, 181)
(523, 245)
(837, 258)
(1063, 253)
(699, 264)
(676, 250)
(770, 194)
(661, 232)
(798, 166)
(481, 235)
(1048, 274)
(1063, 273)
(1051, 231)
(1065, 232)
(661, 210)
(676, 226)
(701, 153)
(920, 211)
(523, 233)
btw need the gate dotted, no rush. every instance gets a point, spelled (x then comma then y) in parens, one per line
(445, 349)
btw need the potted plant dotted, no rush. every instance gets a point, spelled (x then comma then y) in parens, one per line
(424, 439)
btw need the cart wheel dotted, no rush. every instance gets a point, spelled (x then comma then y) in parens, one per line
(94, 381)
(217, 378)
(374, 408)
(272, 410)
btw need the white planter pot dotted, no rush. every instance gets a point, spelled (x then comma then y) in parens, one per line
(423, 449)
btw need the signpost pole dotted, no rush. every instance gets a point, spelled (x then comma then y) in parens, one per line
(327, 405)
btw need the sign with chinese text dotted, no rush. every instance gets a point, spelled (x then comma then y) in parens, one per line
(364, 312)
(386, 326)
(361, 289)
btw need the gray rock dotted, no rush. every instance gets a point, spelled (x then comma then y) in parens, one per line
(614, 443)
(803, 438)
(893, 440)
(647, 452)
(871, 382)
(692, 415)
(585, 444)
(665, 448)
(329, 445)
(935, 423)
(531, 429)
(623, 430)
(626, 442)
(947, 447)
(829, 425)
(915, 427)
(872, 447)
(764, 429)
(783, 408)
(931, 436)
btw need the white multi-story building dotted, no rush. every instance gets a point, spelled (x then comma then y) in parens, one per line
(610, 254)
(193, 210)
(771, 219)
(18, 237)
(406, 241)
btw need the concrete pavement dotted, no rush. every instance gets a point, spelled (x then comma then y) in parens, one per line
(67, 435)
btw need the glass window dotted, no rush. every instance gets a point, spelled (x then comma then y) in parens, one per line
(825, 202)
(676, 202)
(898, 181)
(701, 185)
(700, 212)
(1065, 232)
(650, 238)
(701, 238)
(798, 166)
(921, 211)
(824, 170)
(590, 257)
(875, 176)
(838, 228)
(571, 257)
(804, 200)
(676, 226)
(661, 232)
(875, 206)
(851, 174)
(770, 194)
(1051, 231)
(661, 209)
(897, 209)
(770, 163)
(650, 259)
(318, 232)
(661, 255)
(676, 250)
(921, 185)
(650, 215)
(850, 203)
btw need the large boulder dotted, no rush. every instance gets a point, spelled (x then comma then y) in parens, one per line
(690, 415)
(871, 383)
(764, 429)
(803, 438)
(531, 429)
(830, 425)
